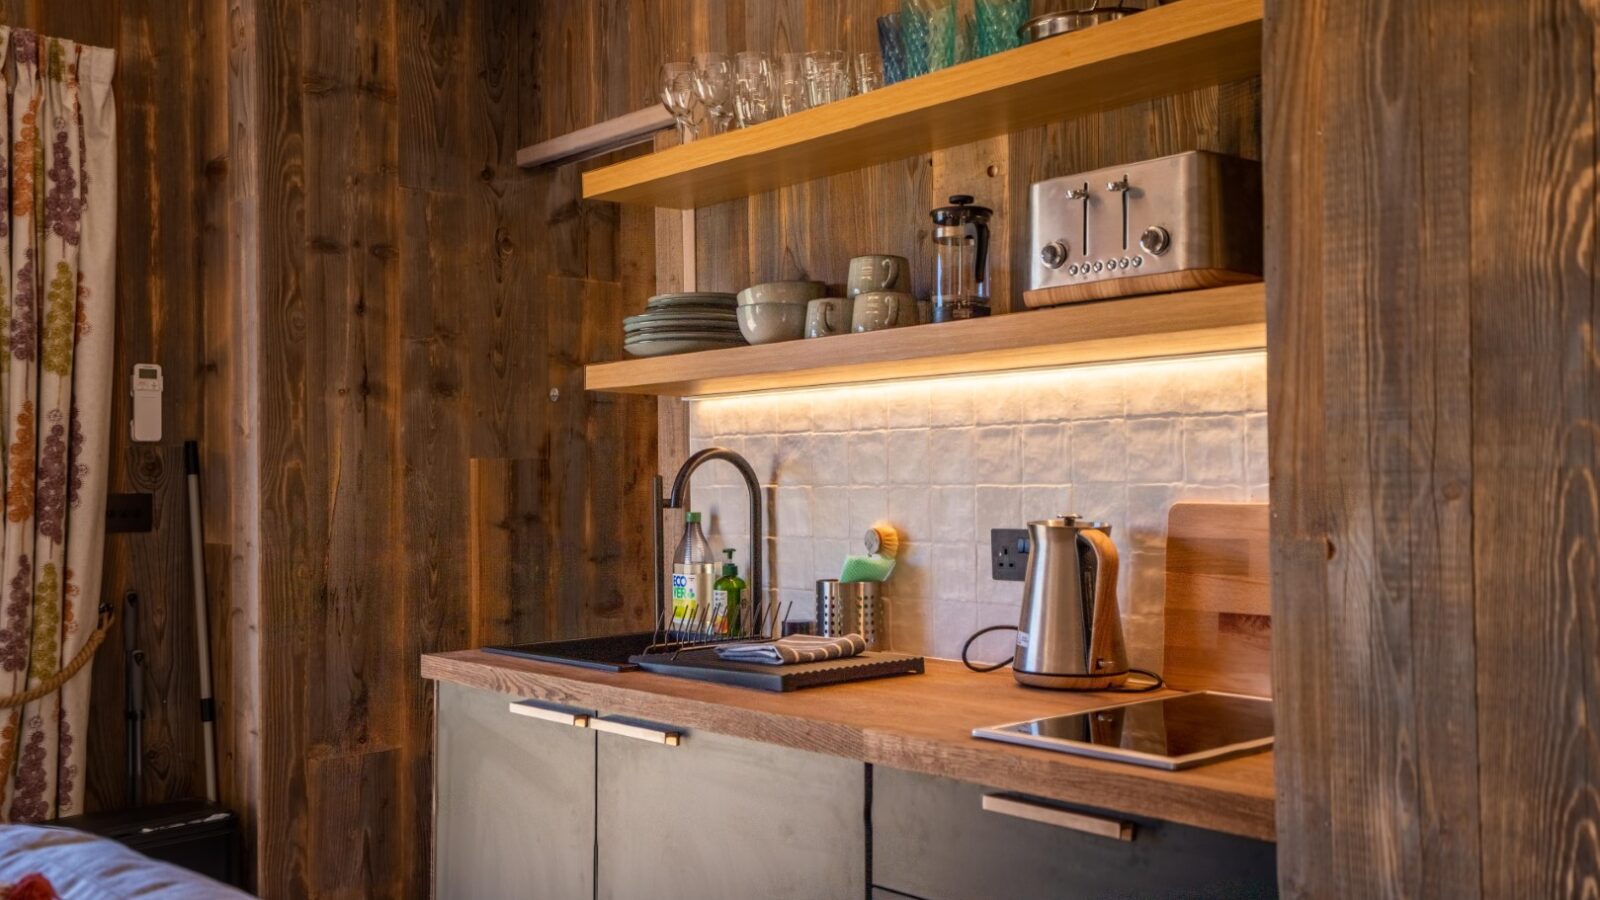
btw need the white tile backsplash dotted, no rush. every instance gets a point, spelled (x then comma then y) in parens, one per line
(1214, 450)
(1155, 450)
(907, 456)
(945, 460)
(951, 512)
(1044, 457)
(951, 455)
(1100, 450)
(868, 464)
(994, 455)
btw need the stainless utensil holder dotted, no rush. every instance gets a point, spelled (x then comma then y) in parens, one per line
(854, 608)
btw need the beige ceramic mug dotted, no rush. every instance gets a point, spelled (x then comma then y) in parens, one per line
(829, 316)
(869, 274)
(878, 310)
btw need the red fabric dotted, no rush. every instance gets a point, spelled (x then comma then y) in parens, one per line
(31, 887)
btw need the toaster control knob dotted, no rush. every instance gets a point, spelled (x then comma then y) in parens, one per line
(1155, 240)
(1118, 186)
(1054, 254)
(1077, 194)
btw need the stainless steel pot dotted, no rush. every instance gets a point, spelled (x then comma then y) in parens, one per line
(1069, 20)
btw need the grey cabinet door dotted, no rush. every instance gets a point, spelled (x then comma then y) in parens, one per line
(513, 802)
(719, 817)
(932, 839)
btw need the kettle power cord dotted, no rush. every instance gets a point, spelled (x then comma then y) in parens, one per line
(1157, 681)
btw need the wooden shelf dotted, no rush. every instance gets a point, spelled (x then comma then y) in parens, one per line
(1174, 48)
(1210, 321)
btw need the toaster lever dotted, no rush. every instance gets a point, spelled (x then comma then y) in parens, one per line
(1120, 186)
(1076, 194)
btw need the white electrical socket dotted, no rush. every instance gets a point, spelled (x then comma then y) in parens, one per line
(146, 394)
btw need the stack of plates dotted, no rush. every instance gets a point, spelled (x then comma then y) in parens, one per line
(683, 323)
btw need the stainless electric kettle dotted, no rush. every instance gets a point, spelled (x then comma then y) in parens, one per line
(1070, 633)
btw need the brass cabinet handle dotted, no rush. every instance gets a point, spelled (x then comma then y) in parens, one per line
(1010, 805)
(637, 732)
(532, 710)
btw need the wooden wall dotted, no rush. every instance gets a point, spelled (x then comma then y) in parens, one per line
(171, 65)
(1435, 419)
(421, 469)
(415, 464)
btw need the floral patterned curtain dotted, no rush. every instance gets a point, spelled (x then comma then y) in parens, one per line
(57, 251)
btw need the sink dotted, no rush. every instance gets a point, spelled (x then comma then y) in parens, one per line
(608, 654)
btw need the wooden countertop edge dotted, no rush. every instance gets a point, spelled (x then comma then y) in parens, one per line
(1191, 798)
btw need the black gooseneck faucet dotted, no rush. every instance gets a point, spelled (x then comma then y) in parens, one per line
(679, 498)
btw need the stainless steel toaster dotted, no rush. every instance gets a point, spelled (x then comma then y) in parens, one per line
(1180, 222)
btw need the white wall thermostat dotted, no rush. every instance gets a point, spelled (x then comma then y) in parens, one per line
(146, 394)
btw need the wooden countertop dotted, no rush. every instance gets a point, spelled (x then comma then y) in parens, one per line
(920, 723)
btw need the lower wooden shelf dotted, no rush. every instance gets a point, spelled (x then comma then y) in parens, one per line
(1182, 324)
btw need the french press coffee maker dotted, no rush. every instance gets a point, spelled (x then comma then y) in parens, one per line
(961, 244)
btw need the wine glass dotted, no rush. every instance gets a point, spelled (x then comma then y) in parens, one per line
(753, 88)
(677, 95)
(715, 85)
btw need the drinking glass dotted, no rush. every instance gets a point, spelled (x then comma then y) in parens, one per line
(791, 83)
(914, 38)
(893, 48)
(999, 23)
(677, 95)
(869, 72)
(754, 98)
(827, 77)
(714, 84)
(928, 28)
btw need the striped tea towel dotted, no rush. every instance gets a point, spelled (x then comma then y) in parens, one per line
(796, 648)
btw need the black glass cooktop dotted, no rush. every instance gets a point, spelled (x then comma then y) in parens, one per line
(1169, 733)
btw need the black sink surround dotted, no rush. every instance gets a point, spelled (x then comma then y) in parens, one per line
(608, 654)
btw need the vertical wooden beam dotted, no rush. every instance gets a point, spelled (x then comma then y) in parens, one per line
(1536, 431)
(1431, 275)
(245, 704)
(1295, 203)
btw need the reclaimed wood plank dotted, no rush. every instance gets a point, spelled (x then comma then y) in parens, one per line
(1390, 494)
(1293, 111)
(1536, 443)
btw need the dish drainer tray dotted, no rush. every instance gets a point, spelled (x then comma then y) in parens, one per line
(705, 665)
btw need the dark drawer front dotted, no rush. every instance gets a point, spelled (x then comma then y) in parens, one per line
(932, 838)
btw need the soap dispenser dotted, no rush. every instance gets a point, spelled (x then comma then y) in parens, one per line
(727, 595)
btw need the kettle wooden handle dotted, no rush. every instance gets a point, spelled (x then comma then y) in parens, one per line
(1105, 624)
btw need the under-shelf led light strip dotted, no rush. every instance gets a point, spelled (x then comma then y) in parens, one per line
(999, 375)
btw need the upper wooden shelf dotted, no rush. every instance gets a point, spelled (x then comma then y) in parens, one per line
(1210, 321)
(1174, 48)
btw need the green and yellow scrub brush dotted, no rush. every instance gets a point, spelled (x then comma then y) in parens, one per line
(883, 542)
